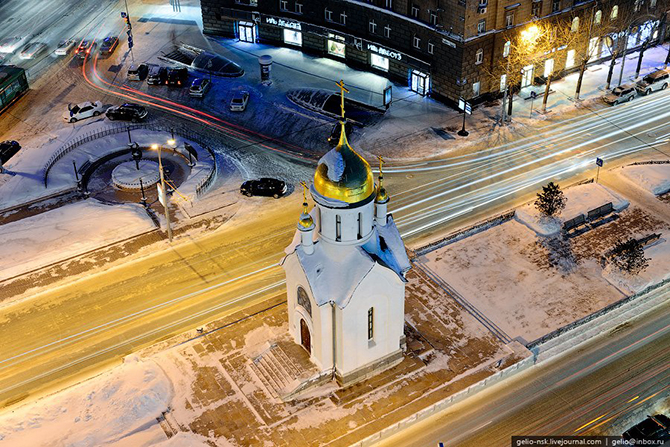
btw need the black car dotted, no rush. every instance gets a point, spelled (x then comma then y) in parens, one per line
(263, 187)
(138, 72)
(127, 112)
(109, 44)
(157, 75)
(656, 427)
(7, 150)
(85, 48)
(177, 77)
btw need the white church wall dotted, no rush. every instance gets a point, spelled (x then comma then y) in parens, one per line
(349, 223)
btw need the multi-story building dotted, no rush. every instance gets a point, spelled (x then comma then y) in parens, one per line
(442, 48)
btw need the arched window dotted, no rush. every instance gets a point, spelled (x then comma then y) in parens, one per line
(506, 48)
(615, 12)
(303, 300)
(575, 25)
(597, 18)
(371, 323)
(338, 227)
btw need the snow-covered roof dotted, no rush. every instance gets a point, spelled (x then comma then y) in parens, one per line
(387, 247)
(335, 163)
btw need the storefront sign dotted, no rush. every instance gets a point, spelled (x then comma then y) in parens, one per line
(449, 43)
(332, 36)
(384, 52)
(284, 23)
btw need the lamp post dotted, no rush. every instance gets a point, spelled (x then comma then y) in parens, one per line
(162, 190)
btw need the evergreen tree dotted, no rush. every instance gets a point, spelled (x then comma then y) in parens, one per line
(629, 256)
(551, 200)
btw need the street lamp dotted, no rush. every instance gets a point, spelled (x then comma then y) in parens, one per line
(162, 190)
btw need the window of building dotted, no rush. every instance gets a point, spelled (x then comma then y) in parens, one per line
(343, 18)
(379, 62)
(283, 5)
(593, 47)
(536, 9)
(293, 37)
(638, 5)
(479, 56)
(360, 226)
(481, 8)
(415, 11)
(575, 25)
(555, 5)
(338, 227)
(371, 323)
(598, 17)
(481, 26)
(433, 18)
(615, 12)
(298, 8)
(503, 82)
(416, 42)
(570, 59)
(387, 31)
(431, 47)
(389, 4)
(336, 48)
(548, 67)
(372, 27)
(329, 15)
(303, 300)
(509, 19)
(475, 89)
(652, 3)
(506, 48)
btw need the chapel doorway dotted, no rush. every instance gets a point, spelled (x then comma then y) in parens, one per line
(305, 339)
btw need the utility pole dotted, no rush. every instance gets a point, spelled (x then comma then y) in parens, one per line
(129, 31)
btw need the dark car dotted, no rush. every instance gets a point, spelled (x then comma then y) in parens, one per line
(109, 44)
(656, 428)
(157, 75)
(85, 48)
(127, 112)
(138, 72)
(263, 187)
(8, 149)
(177, 77)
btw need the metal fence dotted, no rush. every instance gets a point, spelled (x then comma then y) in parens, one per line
(651, 162)
(183, 132)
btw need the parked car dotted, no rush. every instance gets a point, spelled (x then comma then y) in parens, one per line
(8, 149)
(85, 48)
(127, 112)
(83, 110)
(64, 47)
(239, 102)
(109, 44)
(138, 72)
(32, 50)
(654, 428)
(157, 75)
(177, 77)
(264, 187)
(199, 87)
(11, 44)
(657, 80)
(620, 94)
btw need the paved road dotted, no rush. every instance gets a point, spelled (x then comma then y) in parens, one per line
(69, 330)
(602, 388)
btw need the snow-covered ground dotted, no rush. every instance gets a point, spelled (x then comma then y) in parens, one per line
(67, 231)
(119, 407)
(654, 178)
(580, 199)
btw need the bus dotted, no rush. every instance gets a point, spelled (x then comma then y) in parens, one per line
(13, 84)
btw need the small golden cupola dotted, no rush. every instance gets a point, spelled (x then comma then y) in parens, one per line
(382, 196)
(342, 174)
(306, 222)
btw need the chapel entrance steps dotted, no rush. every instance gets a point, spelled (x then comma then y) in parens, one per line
(275, 370)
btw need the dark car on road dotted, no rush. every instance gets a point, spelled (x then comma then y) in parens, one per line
(127, 112)
(138, 72)
(654, 428)
(8, 149)
(109, 44)
(269, 187)
(157, 75)
(85, 48)
(177, 77)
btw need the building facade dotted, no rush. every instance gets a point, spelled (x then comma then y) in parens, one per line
(442, 48)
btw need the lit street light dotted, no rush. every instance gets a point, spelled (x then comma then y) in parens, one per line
(162, 190)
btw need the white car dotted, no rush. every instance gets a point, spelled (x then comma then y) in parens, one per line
(239, 102)
(11, 44)
(64, 47)
(82, 110)
(32, 50)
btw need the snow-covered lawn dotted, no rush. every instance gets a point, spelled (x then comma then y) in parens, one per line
(67, 231)
(654, 178)
(580, 199)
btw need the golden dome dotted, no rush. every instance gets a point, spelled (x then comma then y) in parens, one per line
(344, 175)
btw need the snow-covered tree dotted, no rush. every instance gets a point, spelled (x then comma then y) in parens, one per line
(628, 256)
(551, 200)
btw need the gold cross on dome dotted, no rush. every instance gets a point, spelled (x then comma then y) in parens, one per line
(342, 90)
(381, 164)
(304, 195)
